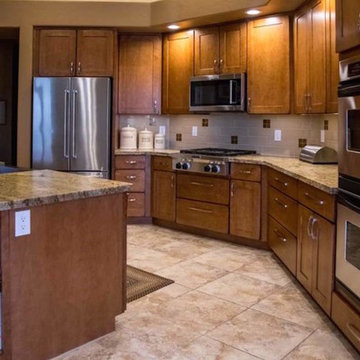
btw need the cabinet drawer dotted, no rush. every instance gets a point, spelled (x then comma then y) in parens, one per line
(202, 215)
(135, 177)
(347, 319)
(246, 172)
(317, 200)
(136, 204)
(283, 243)
(129, 162)
(283, 209)
(284, 183)
(162, 163)
(203, 188)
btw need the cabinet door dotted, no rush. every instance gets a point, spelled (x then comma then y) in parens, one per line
(139, 74)
(347, 24)
(245, 209)
(177, 71)
(57, 52)
(163, 195)
(207, 51)
(305, 249)
(301, 61)
(95, 53)
(269, 75)
(317, 51)
(323, 262)
(233, 47)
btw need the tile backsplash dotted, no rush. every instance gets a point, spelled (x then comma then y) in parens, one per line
(241, 131)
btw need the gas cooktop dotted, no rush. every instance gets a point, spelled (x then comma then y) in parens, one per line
(217, 152)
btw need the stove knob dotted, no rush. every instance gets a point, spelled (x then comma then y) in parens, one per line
(186, 166)
(207, 168)
(178, 165)
(215, 169)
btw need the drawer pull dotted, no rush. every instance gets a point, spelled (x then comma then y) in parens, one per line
(354, 331)
(320, 202)
(132, 200)
(172, 181)
(247, 172)
(131, 177)
(280, 235)
(281, 182)
(281, 203)
(201, 184)
(131, 162)
(200, 210)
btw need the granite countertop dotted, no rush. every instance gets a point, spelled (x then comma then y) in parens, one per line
(40, 187)
(165, 152)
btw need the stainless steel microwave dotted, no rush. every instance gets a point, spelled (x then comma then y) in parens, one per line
(218, 93)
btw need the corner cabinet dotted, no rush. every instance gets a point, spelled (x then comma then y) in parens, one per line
(139, 90)
(178, 50)
(269, 65)
(71, 52)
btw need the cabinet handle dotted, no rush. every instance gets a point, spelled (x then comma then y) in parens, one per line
(172, 180)
(131, 162)
(131, 200)
(320, 202)
(247, 172)
(131, 177)
(314, 235)
(249, 103)
(280, 235)
(310, 102)
(309, 227)
(232, 189)
(201, 184)
(155, 107)
(79, 67)
(285, 206)
(215, 64)
(281, 182)
(200, 210)
(72, 68)
(354, 331)
(221, 62)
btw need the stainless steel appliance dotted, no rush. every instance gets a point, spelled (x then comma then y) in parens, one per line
(315, 154)
(218, 93)
(71, 125)
(208, 160)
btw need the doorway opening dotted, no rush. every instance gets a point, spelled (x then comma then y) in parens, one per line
(9, 70)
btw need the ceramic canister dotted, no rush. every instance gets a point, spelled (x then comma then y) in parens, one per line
(146, 140)
(159, 141)
(128, 138)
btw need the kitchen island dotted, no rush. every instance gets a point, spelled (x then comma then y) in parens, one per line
(64, 281)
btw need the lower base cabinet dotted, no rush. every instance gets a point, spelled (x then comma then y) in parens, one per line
(136, 205)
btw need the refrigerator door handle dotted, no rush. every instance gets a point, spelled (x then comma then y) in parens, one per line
(74, 155)
(66, 113)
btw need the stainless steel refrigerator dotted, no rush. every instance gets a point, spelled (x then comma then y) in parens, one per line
(71, 125)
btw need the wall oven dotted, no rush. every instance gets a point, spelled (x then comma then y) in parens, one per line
(218, 93)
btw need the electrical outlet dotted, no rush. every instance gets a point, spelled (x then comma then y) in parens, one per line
(22, 223)
(322, 136)
(277, 135)
(162, 130)
(194, 131)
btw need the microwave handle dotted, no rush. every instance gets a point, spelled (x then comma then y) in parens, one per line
(232, 102)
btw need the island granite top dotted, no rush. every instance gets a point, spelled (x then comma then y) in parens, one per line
(40, 187)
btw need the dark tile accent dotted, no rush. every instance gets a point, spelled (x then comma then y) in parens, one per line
(178, 137)
(302, 143)
(326, 124)
(234, 140)
(266, 123)
(205, 122)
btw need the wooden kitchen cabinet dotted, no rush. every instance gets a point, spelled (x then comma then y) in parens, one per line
(220, 49)
(347, 24)
(245, 209)
(316, 63)
(315, 256)
(269, 65)
(178, 56)
(139, 74)
(71, 52)
(163, 195)
(56, 52)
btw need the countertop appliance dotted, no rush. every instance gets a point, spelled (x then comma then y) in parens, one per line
(212, 161)
(315, 154)
(348, 219)
(71, 125)
(218, 93)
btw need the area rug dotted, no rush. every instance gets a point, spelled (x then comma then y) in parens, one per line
(140, 283)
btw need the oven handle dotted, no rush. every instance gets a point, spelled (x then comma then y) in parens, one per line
(345, 201)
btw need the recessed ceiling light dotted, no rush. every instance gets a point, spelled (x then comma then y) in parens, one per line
(173, 27)
(253, 12)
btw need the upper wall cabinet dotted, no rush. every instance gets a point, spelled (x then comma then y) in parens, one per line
(316, 63)
(139, 90)
(347, 24)
(177, 71)
(220, 50)
(69, 52)
(269, 65)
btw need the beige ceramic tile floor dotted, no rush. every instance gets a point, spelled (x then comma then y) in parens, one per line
(228, 302)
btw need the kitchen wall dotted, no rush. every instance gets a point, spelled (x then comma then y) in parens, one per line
(247, 130)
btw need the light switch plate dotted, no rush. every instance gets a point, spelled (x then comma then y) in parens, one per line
(277, 135)
(322, 136)
(22, 223)
(194, 131)
(162, 130)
